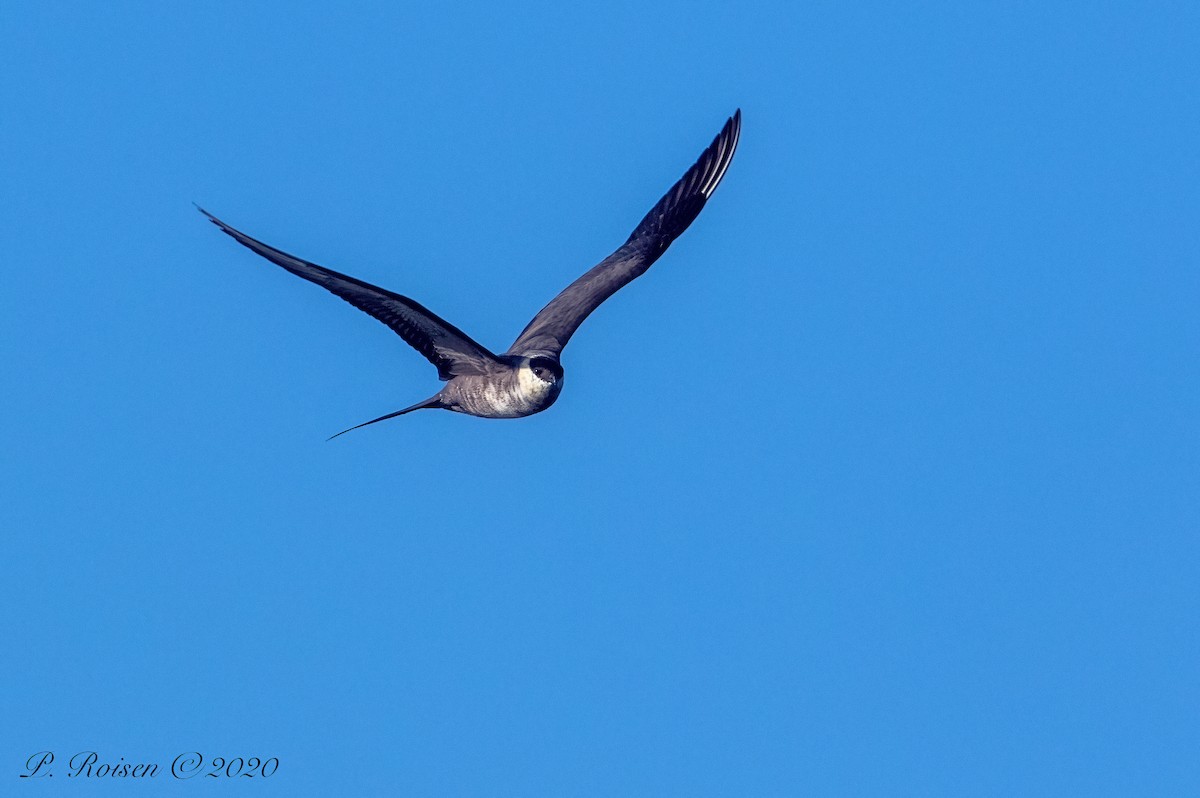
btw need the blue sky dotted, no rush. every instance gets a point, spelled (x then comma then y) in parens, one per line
(883, 481)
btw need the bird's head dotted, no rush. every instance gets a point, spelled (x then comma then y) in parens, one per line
(546, 369)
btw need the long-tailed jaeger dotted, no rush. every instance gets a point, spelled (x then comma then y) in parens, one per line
(528, 377)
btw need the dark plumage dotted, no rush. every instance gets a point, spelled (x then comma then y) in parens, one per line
(528, 377)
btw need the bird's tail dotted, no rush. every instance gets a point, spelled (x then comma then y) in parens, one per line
(433, 401)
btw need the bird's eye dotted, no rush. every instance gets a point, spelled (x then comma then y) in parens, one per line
(546, 370)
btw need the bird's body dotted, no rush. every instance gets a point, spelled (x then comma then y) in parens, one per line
(513, 390)
(527, 378)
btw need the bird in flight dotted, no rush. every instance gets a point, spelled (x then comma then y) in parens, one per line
(528, 377)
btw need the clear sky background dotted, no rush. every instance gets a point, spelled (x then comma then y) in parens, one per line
(883, 481)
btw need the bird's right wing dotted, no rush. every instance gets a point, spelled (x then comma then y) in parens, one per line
(554, 325)
(442, 344)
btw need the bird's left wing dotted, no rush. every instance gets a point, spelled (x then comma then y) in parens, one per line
(442, 344)
(554, 324)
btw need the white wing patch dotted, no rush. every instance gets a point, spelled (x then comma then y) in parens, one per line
(725, 154)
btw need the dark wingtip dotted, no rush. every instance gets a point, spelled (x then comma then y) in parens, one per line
(209, 216)
(722, 150)
(683, 202)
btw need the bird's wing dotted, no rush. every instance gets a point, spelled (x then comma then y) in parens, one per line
(443, 344)
(554, 325)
